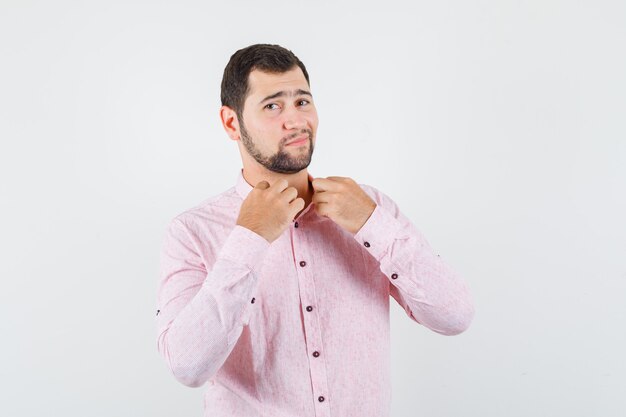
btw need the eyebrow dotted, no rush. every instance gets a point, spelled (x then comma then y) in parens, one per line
(298, 92)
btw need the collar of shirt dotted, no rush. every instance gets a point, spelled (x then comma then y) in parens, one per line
(243, 188)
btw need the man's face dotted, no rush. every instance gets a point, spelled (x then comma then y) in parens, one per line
(278, 110)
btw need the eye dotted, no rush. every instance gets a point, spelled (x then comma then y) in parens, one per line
(268, 106)
(303, 101)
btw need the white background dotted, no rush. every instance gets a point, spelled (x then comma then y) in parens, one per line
(497, 126)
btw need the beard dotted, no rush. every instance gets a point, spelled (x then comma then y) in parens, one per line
(282, 161)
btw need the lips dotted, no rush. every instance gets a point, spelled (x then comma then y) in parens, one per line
(298, 139)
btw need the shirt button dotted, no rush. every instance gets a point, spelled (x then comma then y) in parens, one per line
(302, 263)
(309, 308)
(367, 244)
(295, 224)
(253, 300)
(320, 399)
(316, 353)
(394, 276)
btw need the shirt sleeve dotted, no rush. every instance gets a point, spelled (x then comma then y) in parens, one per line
(202, 308)
(429, 290)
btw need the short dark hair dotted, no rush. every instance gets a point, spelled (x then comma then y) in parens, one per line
(264, 57)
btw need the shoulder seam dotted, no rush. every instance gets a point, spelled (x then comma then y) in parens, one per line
(207, 202)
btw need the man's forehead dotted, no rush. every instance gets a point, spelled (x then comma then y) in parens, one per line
(263, 83)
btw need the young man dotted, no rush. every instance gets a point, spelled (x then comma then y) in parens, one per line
(276, 292)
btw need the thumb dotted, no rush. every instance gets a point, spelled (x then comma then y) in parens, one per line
(263, 185)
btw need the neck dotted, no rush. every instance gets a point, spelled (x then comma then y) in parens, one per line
(298, 180)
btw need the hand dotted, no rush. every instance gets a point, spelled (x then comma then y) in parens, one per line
(343, 201)
(268, 210)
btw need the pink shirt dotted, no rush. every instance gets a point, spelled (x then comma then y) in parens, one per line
(298, 327)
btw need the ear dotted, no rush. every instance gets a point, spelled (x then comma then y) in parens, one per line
(230, 123)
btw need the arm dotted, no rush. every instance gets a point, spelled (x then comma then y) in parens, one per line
(429, 290)
(201, 315)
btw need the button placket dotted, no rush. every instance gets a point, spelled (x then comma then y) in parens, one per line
(311, 323)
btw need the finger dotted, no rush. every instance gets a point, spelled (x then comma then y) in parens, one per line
(336, 178)
(289, 194)
(322, 209)
(320, 197)
(296, 206)
(262, 185)
(323, 184)
(279, 185)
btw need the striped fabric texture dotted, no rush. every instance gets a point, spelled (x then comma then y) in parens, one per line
(298, 327)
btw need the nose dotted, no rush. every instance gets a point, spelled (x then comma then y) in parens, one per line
(295, 120)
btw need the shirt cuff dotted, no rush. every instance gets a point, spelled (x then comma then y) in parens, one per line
(378, 232)
(245, 247)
